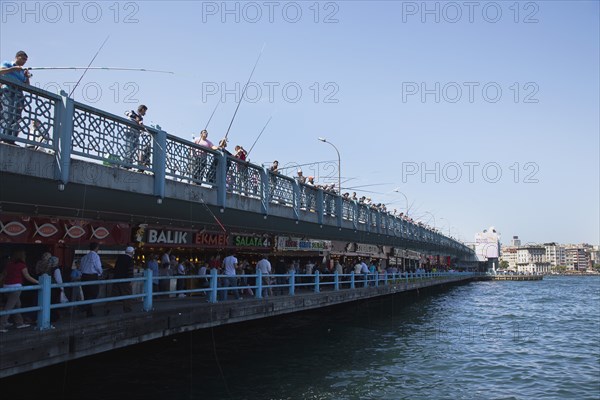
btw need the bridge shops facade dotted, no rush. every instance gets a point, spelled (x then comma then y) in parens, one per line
(69, 238)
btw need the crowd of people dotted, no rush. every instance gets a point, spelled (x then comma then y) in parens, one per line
(237, 277)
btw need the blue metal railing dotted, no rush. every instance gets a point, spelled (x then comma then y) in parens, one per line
(71, 129)
(215, 290)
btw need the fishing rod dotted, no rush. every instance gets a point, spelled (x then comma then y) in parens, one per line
(244, 91)
(302, 165)
(99, 68)
(211, 115)
(89, 65)
(259, 135)
(213, 215)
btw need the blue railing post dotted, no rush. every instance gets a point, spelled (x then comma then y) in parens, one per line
(148, 290)
(221, 179)
(63, 137)
(259, 287)
(292, 283)
(266, 191)
(366, 278)
(319, 206)
(385, 278)
(297, 199)
(339, 210)
(44, 300)
(317, 289)
(352, 286)
(214, 284)
(376, 278)
(159, 163)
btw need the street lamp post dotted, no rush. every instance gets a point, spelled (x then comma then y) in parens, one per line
(448, 225)
(434, 223)
(322, 139)
(405, 198)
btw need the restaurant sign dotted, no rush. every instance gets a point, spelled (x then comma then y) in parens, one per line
(25, 229)
(285, 243)
(241, 241)
(189, 238)
(170, 237)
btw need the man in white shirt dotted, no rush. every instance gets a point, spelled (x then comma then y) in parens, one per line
(91, 270)
(264, 266)
(229, 265)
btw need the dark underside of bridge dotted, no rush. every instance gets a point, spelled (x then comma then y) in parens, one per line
(36, 196)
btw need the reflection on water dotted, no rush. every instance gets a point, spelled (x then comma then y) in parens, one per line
(485, 340)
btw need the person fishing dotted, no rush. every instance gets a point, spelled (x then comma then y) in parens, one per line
(12, 100)
(200, 159)
(132, 136)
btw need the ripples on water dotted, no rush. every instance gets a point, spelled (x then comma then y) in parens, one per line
(485, 340)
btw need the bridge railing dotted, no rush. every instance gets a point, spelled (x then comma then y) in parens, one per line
(71, 128)
(244, 178)
(29, 114)
(215, 288)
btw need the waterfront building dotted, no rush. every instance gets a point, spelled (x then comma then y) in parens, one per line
(555, 254)
(487, 247)
(532, 260)
(509, 254)
(577, 259)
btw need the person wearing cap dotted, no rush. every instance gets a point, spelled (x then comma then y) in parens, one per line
(301, 179)
(123, 270)
(12, 100)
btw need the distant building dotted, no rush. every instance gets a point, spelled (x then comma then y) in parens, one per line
(532, 260)
(577, 258)
(487, 247)
(509, 254)
(555, 254)
(594, 253)
(515, 242)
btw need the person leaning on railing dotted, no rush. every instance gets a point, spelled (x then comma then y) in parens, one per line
(200, 159)
(12, 100)
(91, 270)
(16, 274)
(132, 135)
(123, 270)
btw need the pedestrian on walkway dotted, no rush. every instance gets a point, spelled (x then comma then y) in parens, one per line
(16, 274)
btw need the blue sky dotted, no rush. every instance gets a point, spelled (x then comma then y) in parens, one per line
(368, 62)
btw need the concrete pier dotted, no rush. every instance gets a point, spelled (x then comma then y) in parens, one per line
(75, 337)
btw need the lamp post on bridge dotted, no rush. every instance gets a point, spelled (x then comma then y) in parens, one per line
(405, 198)
(442, 218)
(434, 223)
(322, 139)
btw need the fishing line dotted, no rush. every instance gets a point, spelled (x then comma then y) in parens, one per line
(259, 135)
(244, 91)
(89, 65)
